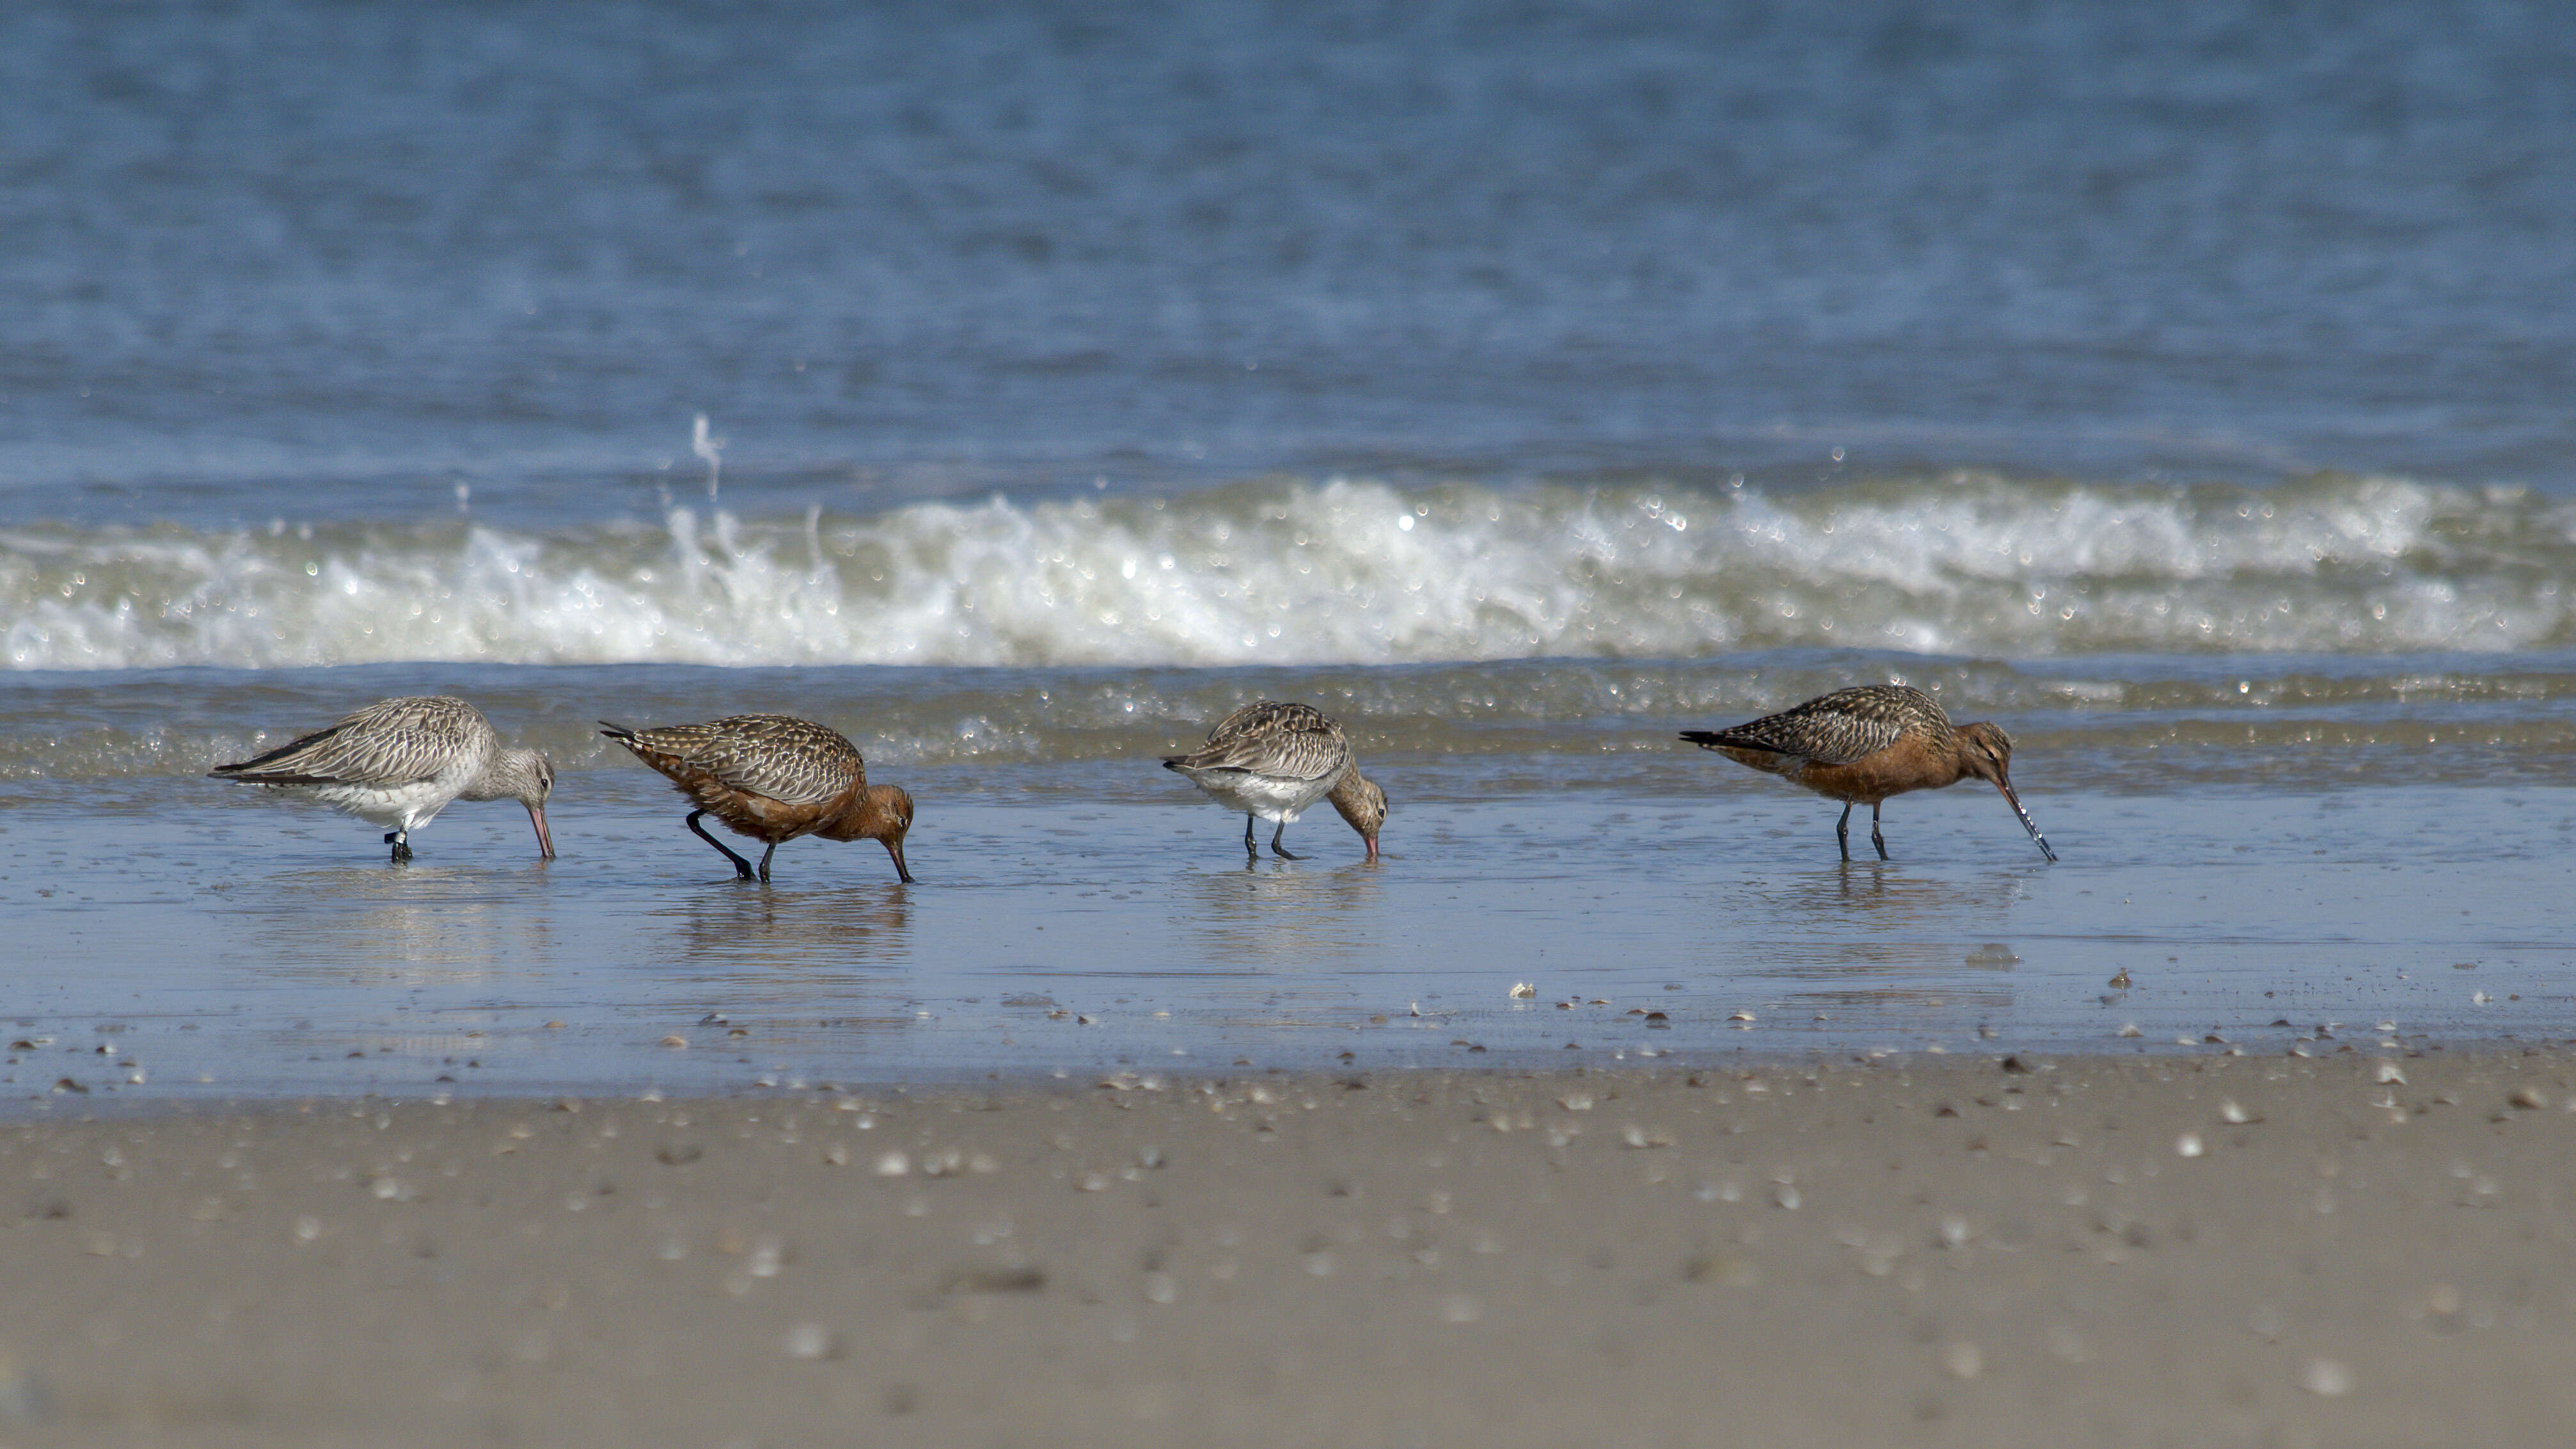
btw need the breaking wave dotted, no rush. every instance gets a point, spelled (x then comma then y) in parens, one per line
(1346, 571)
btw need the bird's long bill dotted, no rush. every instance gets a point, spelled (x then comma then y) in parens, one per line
(895, 849)
(545, 840)
(1372, 848)
(2026, 822)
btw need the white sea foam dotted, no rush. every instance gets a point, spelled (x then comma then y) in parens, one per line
(1345, 571)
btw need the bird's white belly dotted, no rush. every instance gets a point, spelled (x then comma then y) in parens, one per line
(406, 807)
(1267, 796)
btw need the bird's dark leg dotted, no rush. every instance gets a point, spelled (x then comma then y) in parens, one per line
(742, 867)
(773, 850)
(1249, 848)
(1842, 830)
(400, 840)
(1279, 850)
(1874, 837)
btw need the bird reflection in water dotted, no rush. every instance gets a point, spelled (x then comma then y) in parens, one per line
(811, 974)
(1890, 941)
(434, 924)
(1887, 896)
(790, 929)
(1293, 916)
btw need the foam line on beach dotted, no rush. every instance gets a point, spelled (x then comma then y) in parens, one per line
(1337, 571)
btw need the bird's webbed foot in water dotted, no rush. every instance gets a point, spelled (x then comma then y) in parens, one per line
(1279, 850)
(401, 844)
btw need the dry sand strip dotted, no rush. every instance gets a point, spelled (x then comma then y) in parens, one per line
(2345, 1251)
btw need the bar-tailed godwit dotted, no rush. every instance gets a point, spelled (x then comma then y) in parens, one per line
(398, 762)
(1272, 760)
(1862, 745)
(773, 778)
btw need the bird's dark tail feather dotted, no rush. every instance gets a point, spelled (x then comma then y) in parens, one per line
(254, 769)
(1726, 739)
(616, 731)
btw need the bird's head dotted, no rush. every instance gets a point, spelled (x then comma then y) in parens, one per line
(1985, 751)
(1363, 804)
(530, 777)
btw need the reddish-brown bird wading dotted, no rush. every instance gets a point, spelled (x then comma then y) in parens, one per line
(773, 778)
(1865, 744)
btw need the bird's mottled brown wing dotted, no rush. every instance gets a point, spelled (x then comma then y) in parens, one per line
(793, 761)
(390, 742)
(1837, 728)
(1284, 741)
(1267, 715)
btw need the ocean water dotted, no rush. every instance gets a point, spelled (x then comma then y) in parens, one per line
(1019, 388)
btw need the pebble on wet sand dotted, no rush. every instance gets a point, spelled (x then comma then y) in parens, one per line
(813, 1342)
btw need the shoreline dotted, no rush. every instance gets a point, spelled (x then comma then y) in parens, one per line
(2261, 1250)
(176, 950)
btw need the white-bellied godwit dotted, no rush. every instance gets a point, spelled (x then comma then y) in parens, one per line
(774, 778)
(1862, 745)
(398, 762)
(1272, 760)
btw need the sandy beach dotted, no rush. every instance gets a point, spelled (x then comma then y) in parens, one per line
(2350, 1250)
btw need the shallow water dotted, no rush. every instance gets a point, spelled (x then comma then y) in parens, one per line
(1462, 729)
(209, 942)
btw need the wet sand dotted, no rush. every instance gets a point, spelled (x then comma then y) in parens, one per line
(2356, 1249)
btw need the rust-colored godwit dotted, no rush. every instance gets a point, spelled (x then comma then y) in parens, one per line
(1862, 745)
(398, 762)
(1272, 760)
(773, 778)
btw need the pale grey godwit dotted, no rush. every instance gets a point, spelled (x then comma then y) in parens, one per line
(1862, 745)
(774, 778)
(1272, 760)
(399, 761)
